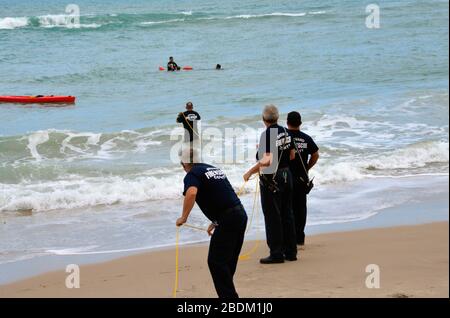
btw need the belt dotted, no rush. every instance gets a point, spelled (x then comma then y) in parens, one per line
(229, 211)
(270, 175)
(238, 207)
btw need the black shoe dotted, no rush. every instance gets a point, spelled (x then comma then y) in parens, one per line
(290, 258)
(271, 260)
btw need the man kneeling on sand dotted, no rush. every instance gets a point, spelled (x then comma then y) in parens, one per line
(210, 188)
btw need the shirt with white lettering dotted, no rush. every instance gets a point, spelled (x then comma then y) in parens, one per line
(306, 147)
(277, 141)
(214, 192)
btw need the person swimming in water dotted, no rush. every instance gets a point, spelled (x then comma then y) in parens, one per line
(172, 66)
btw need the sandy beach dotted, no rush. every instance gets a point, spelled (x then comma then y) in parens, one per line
(413, 262)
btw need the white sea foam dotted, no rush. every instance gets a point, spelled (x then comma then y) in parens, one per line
(274, 14)
(54, 20)
(85, 145)
(337, 165)
(161, 22)
(166, 184)
(62, 21)
(419, 155)
(13, 23)
(36, 139)
(316, 12)
(340, 219)
(83, 192)
(414, 156)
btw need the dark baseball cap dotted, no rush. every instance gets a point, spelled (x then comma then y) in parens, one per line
(294, 119)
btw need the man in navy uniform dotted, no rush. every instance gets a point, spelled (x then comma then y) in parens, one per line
(275, 151)
(306, 156)
(210, 189)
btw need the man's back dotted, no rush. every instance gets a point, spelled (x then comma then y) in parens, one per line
(277, 141)
(306, 146)
(188, 119)
(215, 193)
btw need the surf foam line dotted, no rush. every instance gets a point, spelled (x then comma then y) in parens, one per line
(13, 23)
(73, 251)
(93, 21)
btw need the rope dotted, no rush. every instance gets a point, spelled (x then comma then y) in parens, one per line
(190, 126)
(175, 287)
(194, 227)
(241, 190)
(246, 256)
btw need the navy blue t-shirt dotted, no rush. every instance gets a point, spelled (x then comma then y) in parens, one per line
(280, 142)
(188, 119)
(306, 146)
(215, 193)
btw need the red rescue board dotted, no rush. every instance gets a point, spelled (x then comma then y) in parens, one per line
(37, 99)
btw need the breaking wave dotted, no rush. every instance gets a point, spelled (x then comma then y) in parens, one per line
(122, 20)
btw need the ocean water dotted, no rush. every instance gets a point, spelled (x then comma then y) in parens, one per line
(97, 176)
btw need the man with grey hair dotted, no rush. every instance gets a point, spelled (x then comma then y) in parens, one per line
(274, 154)
(210, 189)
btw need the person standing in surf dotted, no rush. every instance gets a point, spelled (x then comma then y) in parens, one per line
(306, 156)
(275, 151)
(189, 119)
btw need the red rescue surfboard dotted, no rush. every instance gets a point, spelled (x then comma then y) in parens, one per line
(184, 68)
(37, 99)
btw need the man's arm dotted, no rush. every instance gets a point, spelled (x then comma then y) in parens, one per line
(180, 118)
(188, 204)
(266, 161)
(313, 160)
(292, 154)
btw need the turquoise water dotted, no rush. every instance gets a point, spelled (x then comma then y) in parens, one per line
(375, 100)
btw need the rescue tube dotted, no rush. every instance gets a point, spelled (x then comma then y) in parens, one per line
(184, 68)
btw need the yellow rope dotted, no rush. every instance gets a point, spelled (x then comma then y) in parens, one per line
(175, 287)
(246, 256)
(241, 190)
(195, 227)
(255, 204)
(187, 121)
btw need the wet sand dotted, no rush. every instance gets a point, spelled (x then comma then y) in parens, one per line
(413, 262)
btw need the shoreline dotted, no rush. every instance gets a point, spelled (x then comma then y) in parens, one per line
(331, 265)
(425, 209)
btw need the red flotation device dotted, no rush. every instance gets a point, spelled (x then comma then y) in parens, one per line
(39, 99)
(184, 68)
